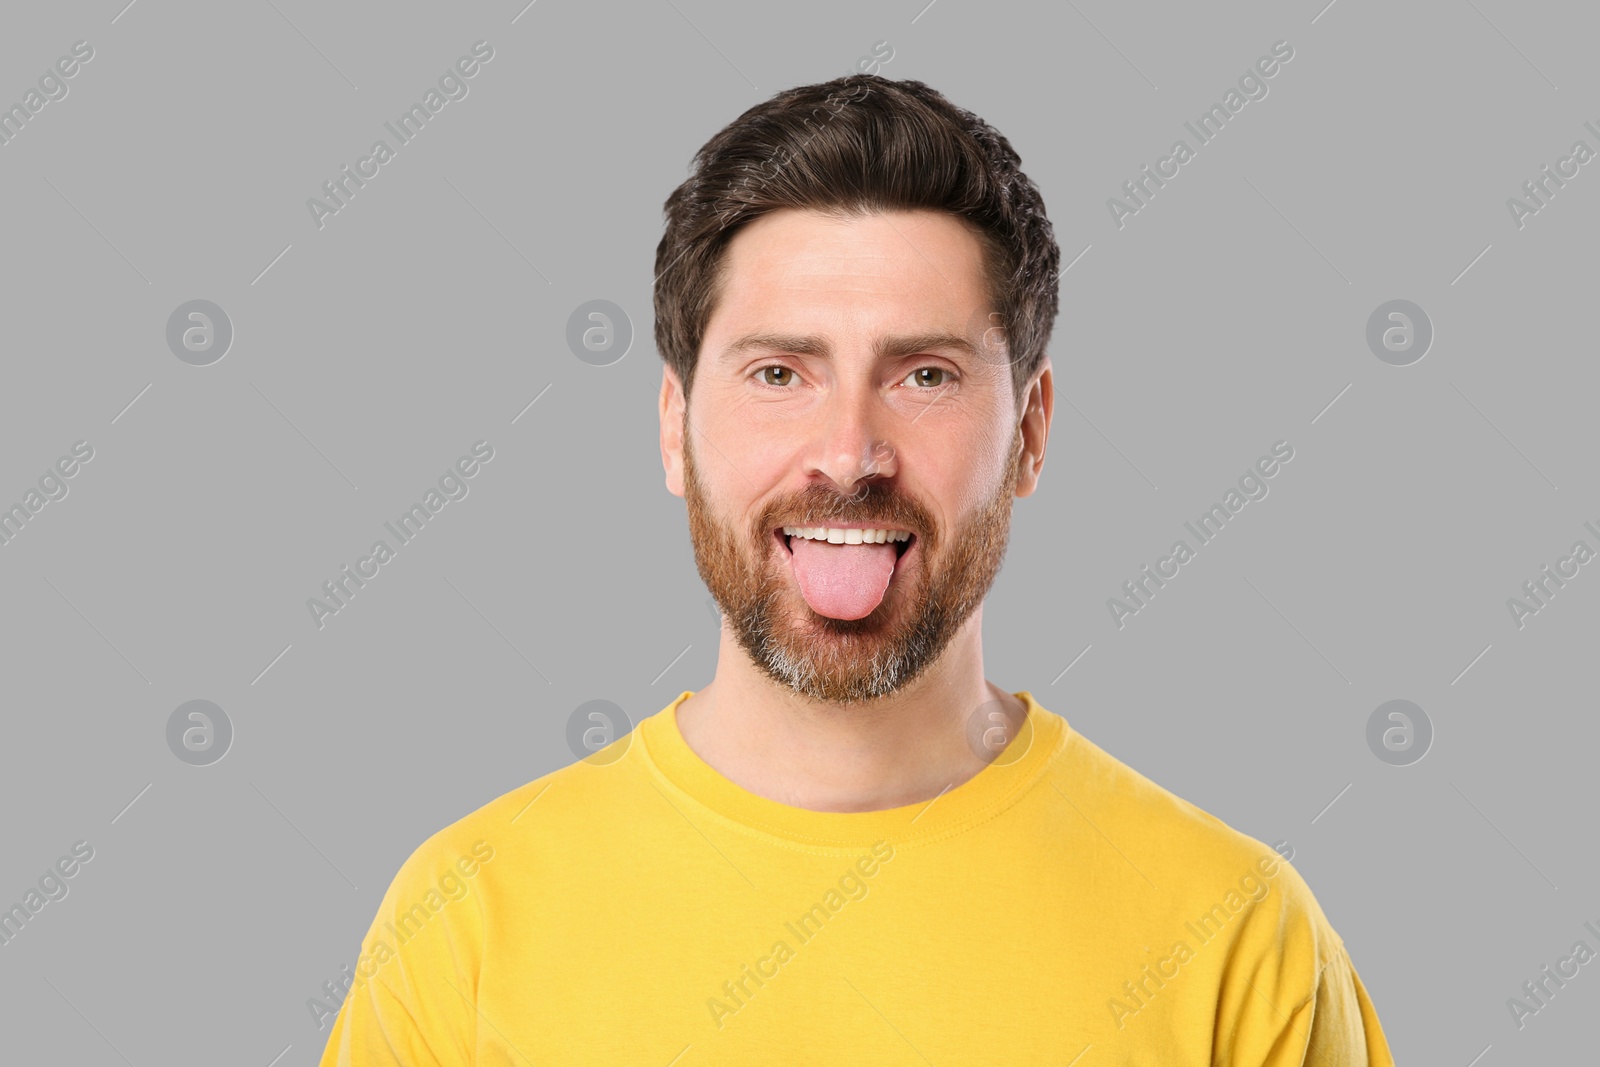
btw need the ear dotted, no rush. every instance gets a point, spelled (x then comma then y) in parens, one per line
(1038, 405)
(672, 406)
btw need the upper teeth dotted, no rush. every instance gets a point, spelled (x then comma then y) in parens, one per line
(837, 536)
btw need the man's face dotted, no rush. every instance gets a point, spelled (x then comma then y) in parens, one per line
(828, 422)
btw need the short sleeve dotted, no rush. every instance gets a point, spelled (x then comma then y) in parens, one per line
(1290, 995)
(413, 1000)
(1336, 1026)
(374, 1029)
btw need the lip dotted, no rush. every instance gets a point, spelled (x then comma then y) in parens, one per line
(911, 543)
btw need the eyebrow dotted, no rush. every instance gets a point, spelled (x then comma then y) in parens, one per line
(890, 347)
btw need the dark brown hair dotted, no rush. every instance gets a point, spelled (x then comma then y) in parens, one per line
(858, 145)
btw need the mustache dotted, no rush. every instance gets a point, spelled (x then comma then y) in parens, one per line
(874, 505)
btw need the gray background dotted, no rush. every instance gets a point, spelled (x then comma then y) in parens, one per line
(368, 355)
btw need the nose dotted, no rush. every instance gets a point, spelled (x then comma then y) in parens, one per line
(852, 445)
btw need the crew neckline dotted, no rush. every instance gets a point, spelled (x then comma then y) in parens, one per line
(993, 789)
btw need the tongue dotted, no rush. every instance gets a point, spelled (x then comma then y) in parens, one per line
(842, 581)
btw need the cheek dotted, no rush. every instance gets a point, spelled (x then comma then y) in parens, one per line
(734, 481)
(747, 463)
(733, 437)
(969, 485)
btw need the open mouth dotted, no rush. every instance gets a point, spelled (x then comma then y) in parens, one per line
(900, 547)
(839, 583)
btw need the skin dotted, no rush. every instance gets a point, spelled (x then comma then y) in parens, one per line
(873, 713)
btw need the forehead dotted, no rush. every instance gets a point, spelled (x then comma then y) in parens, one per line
(878, 269)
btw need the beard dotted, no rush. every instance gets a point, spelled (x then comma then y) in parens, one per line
(848, 661)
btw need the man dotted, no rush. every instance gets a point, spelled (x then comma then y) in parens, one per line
(849, 846)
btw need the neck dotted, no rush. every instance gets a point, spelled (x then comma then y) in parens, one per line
(906, 748)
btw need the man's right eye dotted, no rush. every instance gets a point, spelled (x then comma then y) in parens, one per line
(775, 367)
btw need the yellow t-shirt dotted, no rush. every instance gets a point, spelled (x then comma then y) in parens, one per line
(637, 907)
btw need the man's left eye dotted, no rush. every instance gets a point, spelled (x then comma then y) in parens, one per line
(936, 370)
